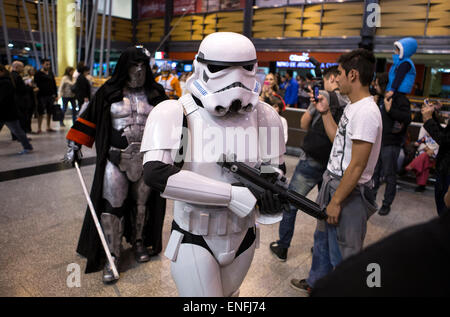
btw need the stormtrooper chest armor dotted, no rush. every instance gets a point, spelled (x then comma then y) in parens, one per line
(213, 136)
(130, 115)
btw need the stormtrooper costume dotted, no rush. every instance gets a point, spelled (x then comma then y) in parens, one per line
(214, 234)
(123, 103)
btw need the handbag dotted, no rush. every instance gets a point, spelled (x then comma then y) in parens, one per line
(57, 114)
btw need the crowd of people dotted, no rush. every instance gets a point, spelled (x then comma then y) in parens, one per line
(27, 93)
(355, 134)
(330, 159)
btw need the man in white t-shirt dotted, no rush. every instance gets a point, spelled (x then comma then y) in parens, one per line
(345, 189)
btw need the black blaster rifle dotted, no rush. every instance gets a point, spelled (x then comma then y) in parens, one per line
(257, 181)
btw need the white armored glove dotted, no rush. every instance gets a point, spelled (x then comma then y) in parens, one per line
(242, 201)
(73, 153)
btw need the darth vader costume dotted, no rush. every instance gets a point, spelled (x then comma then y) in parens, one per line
(113, 120)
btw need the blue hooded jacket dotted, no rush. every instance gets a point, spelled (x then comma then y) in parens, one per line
(407, 47)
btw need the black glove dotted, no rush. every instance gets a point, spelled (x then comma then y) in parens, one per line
(270, 203)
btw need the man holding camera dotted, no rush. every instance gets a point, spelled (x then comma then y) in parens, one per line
(442, 136)
(313, 157)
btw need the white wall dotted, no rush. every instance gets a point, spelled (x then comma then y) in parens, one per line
(120, 8)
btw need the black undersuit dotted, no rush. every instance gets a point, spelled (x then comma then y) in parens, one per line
(200, 241)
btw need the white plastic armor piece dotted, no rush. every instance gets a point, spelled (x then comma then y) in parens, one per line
(173, 245)
(167, 157)
(194, 188)
(223, 74)
(163, 127)
(197, 189)
(206, 203)
(242, 201)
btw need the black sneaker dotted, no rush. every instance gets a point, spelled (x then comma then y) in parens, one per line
(301, 285)
(384, 210)
(420, 189)
(278, 252)
(25, 151)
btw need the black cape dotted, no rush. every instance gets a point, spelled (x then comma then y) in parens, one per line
(98, 115)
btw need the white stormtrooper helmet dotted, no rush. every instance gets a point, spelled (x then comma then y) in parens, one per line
(224, 76)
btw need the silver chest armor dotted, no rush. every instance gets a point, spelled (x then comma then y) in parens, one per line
(130, 116)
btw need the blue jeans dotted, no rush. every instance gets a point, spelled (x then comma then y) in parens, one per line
(73, 103)
(307, 174)
(387, 166)
(326, 254)
(14, 127)
(440, 189)
(332, 244)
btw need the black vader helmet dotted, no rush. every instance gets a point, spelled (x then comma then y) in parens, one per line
(130, 57)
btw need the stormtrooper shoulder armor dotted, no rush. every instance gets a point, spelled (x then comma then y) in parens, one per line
(267, 115)
(163, 128)
(272, 143)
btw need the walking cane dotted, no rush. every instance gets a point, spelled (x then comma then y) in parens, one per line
(97, 224)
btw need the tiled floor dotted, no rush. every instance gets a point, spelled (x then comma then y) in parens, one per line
(41, 217)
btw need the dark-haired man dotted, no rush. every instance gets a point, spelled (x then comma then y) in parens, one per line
(345, 190)
(314, 155)
(82, 88)
(45, 81)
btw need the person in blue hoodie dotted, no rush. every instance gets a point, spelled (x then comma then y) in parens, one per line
(402, 73)
(396, 114)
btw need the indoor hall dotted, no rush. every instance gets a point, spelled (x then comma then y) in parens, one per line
(42, 211)
(97, 70)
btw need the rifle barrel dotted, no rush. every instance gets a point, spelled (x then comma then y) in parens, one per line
(301, 202)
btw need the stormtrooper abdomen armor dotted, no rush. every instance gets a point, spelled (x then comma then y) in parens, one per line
(215, 222)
